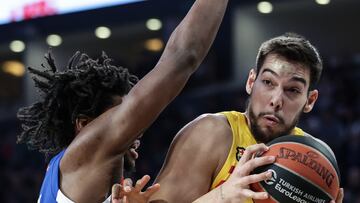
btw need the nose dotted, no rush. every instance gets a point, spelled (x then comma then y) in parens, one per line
(277, 100)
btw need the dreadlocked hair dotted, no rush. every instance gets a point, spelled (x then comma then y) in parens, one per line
(85, 88)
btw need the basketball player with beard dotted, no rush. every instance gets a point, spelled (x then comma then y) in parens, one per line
(211, 158)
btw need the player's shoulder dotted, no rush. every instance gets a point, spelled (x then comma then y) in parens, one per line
(208, 128)
(207, 134)
(212, 121)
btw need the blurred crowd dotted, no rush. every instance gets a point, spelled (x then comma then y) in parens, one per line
(335, 119)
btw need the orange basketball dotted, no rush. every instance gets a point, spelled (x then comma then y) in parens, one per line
(305, 170)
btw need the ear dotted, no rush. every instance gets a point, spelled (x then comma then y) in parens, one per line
(313, 95)
(80, 122)
(250, 81)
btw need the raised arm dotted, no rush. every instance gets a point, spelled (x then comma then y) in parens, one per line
(185, 50)
(101, 141)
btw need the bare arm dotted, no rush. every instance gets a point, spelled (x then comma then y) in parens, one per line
(194, 158)
(236, 188)
(99, 144)
(185, 50)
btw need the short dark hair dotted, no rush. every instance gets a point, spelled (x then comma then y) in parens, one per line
(296, 48)
(86, 87)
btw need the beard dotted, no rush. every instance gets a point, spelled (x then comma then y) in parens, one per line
(266, 135)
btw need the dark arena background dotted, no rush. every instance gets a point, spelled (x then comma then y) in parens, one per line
(134, 35)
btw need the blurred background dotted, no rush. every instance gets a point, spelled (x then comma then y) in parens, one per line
(134, 34)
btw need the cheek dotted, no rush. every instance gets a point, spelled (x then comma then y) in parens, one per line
(260, 97)
(292, 110)
(258, 102)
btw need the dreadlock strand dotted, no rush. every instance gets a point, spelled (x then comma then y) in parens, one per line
(44, 74)
(72, 59)
(50, 61)
(43, 86)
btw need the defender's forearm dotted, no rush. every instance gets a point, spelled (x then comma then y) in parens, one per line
(186, 48)
(195, 34)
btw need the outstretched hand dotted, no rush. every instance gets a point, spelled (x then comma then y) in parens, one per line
(126, 193)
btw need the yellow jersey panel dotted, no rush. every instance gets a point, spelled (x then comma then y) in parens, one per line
(242, 138)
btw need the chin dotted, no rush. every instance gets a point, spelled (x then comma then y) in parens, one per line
(269, 134)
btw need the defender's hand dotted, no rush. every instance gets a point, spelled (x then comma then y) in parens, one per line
(126, 193)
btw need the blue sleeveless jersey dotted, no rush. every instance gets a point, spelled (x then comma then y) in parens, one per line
(50, 191)
(50, 186)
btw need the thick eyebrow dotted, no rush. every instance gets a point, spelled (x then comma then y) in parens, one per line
(299, 79)
(269, 70)
(294, 78)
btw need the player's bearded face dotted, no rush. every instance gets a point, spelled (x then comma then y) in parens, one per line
(278, 96)
(265, 133)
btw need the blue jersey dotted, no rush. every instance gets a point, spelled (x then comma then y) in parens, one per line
(50, 191)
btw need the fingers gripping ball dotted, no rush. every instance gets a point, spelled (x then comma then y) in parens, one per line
(305, 170)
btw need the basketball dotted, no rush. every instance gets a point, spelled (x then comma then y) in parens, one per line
(305, 170)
